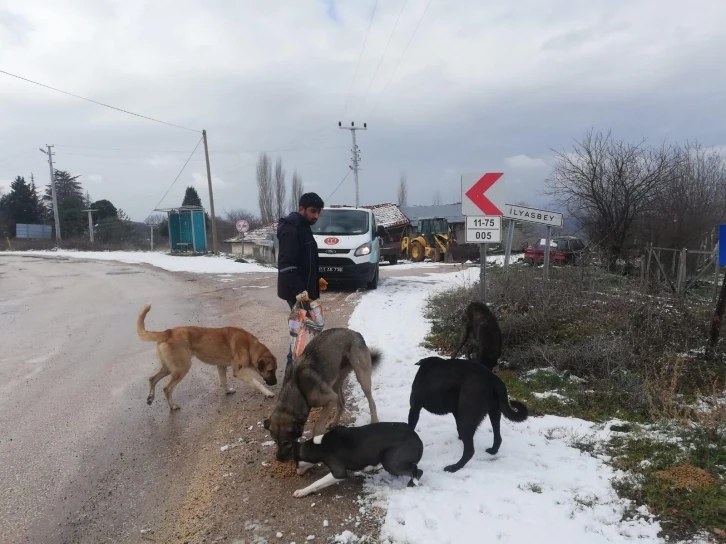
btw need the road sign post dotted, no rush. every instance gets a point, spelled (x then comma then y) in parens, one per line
(242, 226)
(508, 246)
(483, 197)
(533, 215)
(546, 267)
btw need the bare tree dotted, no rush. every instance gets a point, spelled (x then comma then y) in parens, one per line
(608, 185)
(693, 201)
(227, 225)
(279, 190)
(402, 190)
(265, 193)
(437, 198)
(297, 191)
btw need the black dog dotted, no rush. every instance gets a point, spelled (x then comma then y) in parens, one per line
(481, 329)
(467, 390)
(394, 445)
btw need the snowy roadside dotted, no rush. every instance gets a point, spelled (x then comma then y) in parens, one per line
(206, 264)
(536, 489)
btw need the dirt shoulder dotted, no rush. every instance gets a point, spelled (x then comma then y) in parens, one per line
(241, 494)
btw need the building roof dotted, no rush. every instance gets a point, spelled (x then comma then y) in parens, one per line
(256, 236)
(451, 212)
(388, 215)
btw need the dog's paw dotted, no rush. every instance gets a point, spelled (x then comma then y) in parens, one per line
(299, 494)
(492, 451)
(269, 394)
(451, 468)
(174, 408)
(149, 400)
(230, 391)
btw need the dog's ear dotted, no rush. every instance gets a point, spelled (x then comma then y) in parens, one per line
(266, 424)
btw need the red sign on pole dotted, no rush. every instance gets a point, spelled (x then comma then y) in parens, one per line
(483, 194)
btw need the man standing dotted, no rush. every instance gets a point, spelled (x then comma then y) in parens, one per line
(297, 258)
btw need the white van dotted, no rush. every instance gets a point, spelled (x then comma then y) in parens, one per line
(348, 245)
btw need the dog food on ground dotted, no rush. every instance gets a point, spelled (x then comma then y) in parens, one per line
(686, 477)
(276, 469)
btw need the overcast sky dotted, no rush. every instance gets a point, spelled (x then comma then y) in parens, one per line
(483, 86)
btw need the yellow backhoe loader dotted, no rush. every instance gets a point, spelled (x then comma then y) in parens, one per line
(432, 242)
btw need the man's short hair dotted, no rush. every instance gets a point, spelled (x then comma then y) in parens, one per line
(311, 200)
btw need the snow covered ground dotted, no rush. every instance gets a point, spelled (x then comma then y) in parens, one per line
(207, 264)
(536, 489)
(410, 265)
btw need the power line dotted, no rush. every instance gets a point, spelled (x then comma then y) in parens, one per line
(339, 184)
(380, 61)
(176, 178)
(375, 106)
(96, 102)
(355, 74)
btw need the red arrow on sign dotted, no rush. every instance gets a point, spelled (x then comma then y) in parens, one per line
(477, 194)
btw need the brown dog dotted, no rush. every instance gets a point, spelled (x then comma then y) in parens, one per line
(317, 379)
(222, 347)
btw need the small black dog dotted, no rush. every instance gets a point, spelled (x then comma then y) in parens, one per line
(394, 445)
(481, 329)
(467, 390)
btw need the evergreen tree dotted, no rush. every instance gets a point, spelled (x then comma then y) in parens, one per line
(69, 192)
(191, 197)
(37, 202)
(105, 210)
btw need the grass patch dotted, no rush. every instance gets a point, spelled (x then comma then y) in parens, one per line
(682, 482)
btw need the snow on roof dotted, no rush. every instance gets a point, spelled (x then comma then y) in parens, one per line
(388, 215)
(265, 232)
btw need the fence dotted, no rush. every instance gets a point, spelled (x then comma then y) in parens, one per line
(40, 232)
(663, 264)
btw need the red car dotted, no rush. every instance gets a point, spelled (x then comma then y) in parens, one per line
(563, 250)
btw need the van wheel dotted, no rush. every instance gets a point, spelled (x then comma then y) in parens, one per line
(393, 259)
(373, 284)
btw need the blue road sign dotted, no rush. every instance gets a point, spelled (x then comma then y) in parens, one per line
(722, 245)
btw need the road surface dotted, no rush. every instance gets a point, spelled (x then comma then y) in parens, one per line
(84, 459)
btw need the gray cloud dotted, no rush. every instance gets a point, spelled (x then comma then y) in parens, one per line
(482, 87)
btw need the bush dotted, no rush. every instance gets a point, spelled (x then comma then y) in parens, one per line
(643, 353)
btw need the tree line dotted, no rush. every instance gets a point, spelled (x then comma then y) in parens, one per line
(25, 205)
(627, 195)
(272, 190)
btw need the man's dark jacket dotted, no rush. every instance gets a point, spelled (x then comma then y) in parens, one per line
(297, 258)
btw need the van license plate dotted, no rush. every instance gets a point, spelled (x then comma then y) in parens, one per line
(330, 269)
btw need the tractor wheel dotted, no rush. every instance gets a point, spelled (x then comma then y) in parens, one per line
(417, 252)
(436, 255)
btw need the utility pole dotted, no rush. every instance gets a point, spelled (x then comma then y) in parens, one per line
(152, 226)
(211, 194)
(356, 155)
(90, 222)
(53, 194)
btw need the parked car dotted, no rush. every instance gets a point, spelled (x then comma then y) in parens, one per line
(563, 250)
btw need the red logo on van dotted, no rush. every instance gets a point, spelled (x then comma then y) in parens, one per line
(331, 241)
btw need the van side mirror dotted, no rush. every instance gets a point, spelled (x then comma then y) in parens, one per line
(380, 231)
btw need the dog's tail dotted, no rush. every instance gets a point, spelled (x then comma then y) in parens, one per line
(512, 410)
(149, 336)
(376, 356)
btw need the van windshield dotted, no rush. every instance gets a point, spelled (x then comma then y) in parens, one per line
(341, 222)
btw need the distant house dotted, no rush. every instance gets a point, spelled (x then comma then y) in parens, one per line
(259, 244)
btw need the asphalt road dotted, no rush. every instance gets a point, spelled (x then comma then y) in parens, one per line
(84, 459)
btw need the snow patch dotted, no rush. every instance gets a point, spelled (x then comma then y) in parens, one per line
(536, 489)
(202, 264)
